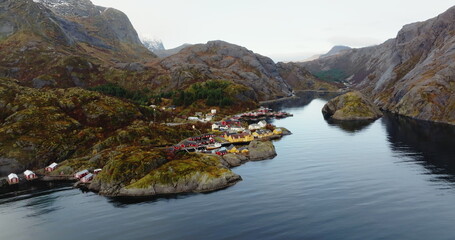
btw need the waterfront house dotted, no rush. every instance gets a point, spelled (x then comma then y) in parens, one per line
(51, 167)
(189, 144)
(254, 126)
(262, 133)
(264, 110)
(244, 150)
(29, 175)
(262, 123)
(236, 129)
(13, 179)
(221, 152)
(238, 137)
(87, 178)
(81, 174)
(232, 149)
(278, 131)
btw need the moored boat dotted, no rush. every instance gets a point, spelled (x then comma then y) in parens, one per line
(213, 146)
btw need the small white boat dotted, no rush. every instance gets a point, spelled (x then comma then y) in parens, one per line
(213, 146)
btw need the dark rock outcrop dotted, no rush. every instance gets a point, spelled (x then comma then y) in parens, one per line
(411, 75)
(260, 150)
(351, 106)
(234, 160)
(155, 176)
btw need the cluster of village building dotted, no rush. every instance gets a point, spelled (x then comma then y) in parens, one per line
(13, 178)
(231, 133)
(84, 176)
(231, 138)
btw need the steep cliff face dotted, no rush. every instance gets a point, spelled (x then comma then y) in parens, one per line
(412, 75)
(63, 42)
(107, 24)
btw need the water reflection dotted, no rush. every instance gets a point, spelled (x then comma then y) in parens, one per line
(123, 202)
(42, 205)
(302, 99)
(429, 144)
(350, 126)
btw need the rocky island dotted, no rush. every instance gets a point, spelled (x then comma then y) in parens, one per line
(351, 106)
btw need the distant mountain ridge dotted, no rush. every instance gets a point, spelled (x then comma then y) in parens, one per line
(153, 45)
(412, 74)
(157, 47)
(222, 60)
(335, 50)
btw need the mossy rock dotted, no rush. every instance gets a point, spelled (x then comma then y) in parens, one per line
(351, 106)
(190, 173)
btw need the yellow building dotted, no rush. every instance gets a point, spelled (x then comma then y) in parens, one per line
(232, 149)
(278, 131)
(262, 133)
(244, 150)
(238, 137)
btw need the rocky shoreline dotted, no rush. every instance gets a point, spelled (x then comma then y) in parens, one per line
(194, 182)
(213, 176)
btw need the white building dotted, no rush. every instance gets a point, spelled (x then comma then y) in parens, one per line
(215, 126)
(51, 167)
(262, 123)
(254, 126)
(236, 129)
(87, 178)
(29, 175)
(81, 174)
(13, 178)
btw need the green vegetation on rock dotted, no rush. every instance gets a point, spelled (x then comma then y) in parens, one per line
(351, 106)
(139, 97)
(332, 75)
(213, 92)
(177, 170)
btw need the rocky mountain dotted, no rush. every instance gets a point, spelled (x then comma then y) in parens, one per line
(335, 50)
(172, 51)
(222, 60)
(154, 45)
(157, 47)
(301, 79)
(63, 43)
(412, 74)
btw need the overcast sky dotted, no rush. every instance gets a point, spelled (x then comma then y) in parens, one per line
(283, 30)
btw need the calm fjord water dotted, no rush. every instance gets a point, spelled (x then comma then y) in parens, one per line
(390, 179)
